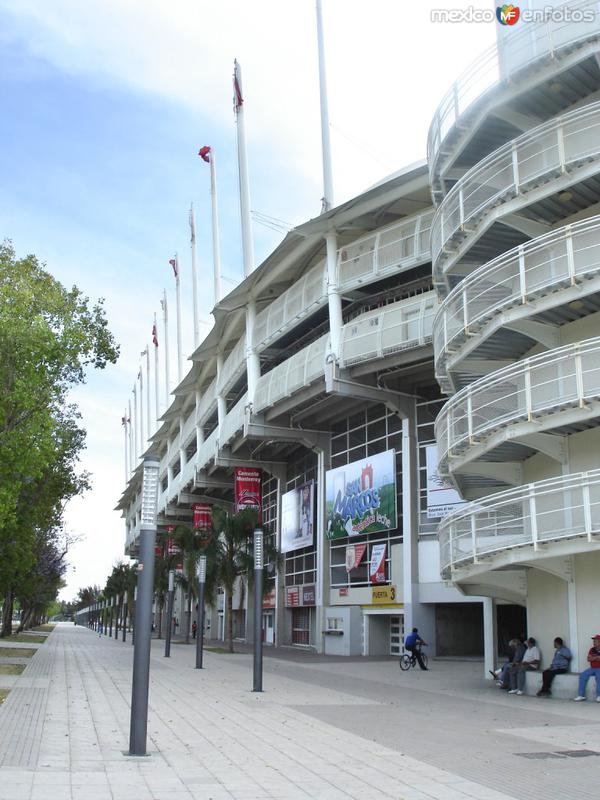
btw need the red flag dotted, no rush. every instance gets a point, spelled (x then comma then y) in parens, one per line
(238, 100)
(204, 153)
(175, 265)
(154, 336)
(123, 420)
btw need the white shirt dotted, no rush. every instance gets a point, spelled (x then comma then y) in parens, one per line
(532, 654)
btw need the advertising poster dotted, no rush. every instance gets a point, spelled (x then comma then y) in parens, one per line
(377, 565)
(202, 515)
(442, 497)
(361, 497)
(354, 554)
(298, 518)
(248, 490)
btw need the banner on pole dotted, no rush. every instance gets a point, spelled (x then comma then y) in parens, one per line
(202, 515)
(248, 490)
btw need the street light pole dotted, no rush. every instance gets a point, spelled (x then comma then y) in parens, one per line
(134, 608)
(143, 609)
(200, 613)
(170, 597)
(117, 609)
(125, 616)
(258, 595)
(112, 603)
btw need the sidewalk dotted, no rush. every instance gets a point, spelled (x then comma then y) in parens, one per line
(320, 730)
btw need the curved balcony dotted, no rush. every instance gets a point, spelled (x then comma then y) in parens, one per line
(392, 329)
(537, 47)
(554, 390)
(398, 247)
(298, 371)
(233, 367)
(529, 169)
(552, 517)
(519, 283)
(299, 300)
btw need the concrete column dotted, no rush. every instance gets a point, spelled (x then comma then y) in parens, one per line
(333, 295)
(182, 453)
(199, 428)
(490, 637)
(573, 643)
(252, 358)
(221, 403)
(322, 557)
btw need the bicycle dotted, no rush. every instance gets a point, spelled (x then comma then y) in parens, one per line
(408, 660)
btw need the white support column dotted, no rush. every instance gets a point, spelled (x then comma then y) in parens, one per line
(182, 453)
(325, 140)
(335, 301)
(199, 428)
(573, 642)
(252, 358)
(221, 403)
(322, 560)
(490, 637)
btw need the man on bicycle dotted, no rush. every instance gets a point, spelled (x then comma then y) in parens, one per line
(413, 643)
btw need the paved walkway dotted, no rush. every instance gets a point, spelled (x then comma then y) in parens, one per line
(323, 728)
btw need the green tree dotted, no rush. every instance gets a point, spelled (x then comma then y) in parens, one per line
(49, 336)
(230, 558)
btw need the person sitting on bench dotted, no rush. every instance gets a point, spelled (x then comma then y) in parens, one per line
(559, 665)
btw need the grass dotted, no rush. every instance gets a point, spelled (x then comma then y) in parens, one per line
(11, 669)
(47, 627)
(17, 652)
(3, 695)
(27, 637)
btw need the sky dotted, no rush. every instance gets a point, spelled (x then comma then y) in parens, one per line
(104, 106)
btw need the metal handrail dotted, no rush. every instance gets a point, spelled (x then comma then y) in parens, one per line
(391, 329)
(531, 516)
(501, 63)
(514, 170)
(544, 384)
(563, 257)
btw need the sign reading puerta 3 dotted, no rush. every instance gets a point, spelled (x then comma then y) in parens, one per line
(361, 497)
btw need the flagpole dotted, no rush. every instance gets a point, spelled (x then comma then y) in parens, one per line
(247, 245)
(215, 228)
(155, 343)
(142, 438)
(166, 325)
(148, 415)
(325, 141)
(126, 453)
(135, 426)
(131, 456)
(178, 309)
(194, 277)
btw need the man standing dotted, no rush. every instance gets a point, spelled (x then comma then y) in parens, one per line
(559, 665)
(413, 643)
(531, 661)
(594, 669)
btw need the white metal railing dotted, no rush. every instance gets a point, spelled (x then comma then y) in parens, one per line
(298, 371)
(234, 421)
(391, 329)
(206, 451)
(207, 404)
(564, 257)
(514, 170)
(301, 298)
(233, 366)
(518, 50)
(534, 515)
(535, 387)
(387, 251)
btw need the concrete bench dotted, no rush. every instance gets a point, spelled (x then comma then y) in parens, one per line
(564, 686)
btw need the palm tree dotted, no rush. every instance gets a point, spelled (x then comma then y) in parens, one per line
(230, 558)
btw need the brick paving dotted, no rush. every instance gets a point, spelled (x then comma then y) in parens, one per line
(321, 729)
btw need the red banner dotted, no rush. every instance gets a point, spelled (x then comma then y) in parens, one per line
(248, 490)
(202, 515)
(172, 547)
(354, 554)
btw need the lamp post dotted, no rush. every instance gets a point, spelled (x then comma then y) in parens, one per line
(111, 604)
(125, 616)
(134, 607)
(258, 595)
(200, 612)
(117, 609)
(143, 609)
(170, 597)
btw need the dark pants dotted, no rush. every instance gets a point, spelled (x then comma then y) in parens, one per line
(416, 652)
(548, 677)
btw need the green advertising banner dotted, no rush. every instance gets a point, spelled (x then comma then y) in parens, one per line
(361, 497)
